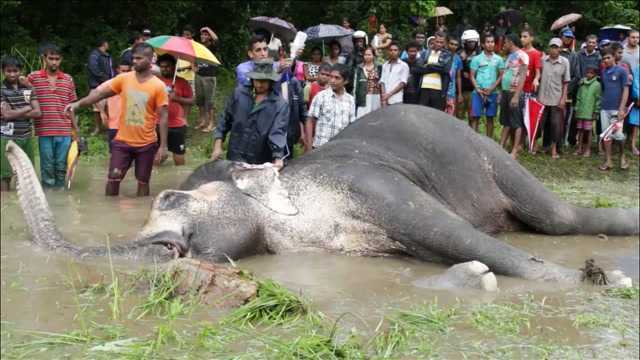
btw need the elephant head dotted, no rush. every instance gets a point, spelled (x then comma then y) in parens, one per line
(215, 221)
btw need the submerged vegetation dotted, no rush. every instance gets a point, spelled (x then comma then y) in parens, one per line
(279, 324)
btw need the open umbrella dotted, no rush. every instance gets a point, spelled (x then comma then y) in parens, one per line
(511, 16)
(613, 32)
(441, 11)
(327, 32)
(532, 114)
(182, 48)
(284, 29)
(565, 20)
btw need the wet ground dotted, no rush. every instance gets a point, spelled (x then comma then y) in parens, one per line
(36, 294)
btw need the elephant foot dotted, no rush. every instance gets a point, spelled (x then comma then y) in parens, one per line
(469, 275)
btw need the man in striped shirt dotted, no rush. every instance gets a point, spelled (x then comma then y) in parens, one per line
(331, 110)
(17, 107)
(54, 90)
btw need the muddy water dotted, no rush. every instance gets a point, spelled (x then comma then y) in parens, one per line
(35, 297)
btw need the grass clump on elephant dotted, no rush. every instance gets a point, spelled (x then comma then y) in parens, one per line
(405, 180)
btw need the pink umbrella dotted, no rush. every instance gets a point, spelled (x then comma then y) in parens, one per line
(565, 20)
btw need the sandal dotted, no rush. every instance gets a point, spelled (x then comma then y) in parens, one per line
(577, 153)
(555, 157)
(586, 154)
(604, 167)
(624, 165)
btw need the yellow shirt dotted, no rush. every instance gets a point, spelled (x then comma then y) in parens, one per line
(432, 80)
(188, 74)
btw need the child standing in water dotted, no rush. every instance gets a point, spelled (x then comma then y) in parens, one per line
(587, 108)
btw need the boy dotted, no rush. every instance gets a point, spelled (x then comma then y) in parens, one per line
(55, 90)
(615, 84)
(587, 109)
(18, 106)
(332, 110)
(179, 95)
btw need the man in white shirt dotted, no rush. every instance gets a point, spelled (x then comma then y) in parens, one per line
(395, 73)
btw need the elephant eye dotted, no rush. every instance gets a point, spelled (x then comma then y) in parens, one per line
(169, 246)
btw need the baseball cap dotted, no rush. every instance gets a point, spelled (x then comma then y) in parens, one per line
(146, 32)
(555, 42)
(566, 32)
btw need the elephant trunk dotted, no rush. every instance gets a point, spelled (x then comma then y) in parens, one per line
(33, 202)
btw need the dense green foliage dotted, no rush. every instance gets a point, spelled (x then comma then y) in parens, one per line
(77, 25)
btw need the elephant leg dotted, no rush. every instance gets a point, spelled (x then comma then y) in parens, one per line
(424, 225)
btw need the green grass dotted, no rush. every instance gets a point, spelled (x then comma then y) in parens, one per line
(273, 305)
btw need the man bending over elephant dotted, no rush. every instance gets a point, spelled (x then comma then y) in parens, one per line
(143, 97)
(257, 119)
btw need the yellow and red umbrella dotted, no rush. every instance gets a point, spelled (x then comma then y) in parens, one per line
(182, 48)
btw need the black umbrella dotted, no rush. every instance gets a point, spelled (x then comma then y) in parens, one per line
(327, 32)
(511, 16)
(284, 29)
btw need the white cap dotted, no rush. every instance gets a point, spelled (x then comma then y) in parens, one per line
(470, 35)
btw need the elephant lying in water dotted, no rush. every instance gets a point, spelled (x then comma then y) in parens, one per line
(404, 180)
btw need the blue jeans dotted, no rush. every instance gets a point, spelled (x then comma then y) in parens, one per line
(53, 159)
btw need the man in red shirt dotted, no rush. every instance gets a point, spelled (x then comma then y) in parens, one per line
(180, 94)
(532, 81)
(54, 90)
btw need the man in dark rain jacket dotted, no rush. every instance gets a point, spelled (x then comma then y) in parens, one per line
(257, 120)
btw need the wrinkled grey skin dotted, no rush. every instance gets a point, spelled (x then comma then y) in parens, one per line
(404, 180)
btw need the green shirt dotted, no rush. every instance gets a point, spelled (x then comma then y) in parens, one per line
(486, 69)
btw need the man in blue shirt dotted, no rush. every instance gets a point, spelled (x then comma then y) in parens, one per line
(257, 50)
(454, 92)
(615, 84)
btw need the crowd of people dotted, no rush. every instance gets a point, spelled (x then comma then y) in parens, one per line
(305, 98)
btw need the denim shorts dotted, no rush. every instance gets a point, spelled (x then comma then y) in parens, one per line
(480, 107)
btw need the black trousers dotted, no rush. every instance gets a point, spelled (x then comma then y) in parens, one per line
(433, 98)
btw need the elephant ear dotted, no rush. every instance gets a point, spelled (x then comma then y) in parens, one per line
(261, 182)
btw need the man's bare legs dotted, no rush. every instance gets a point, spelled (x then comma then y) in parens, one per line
(634, 140)
(474, 122)
(179, 160)
(489, 127)
(517, 141)
(506, 133)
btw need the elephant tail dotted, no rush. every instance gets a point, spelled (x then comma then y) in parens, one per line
(543, 211)
(38, 215)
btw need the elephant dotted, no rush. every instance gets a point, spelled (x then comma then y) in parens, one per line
(405, 180)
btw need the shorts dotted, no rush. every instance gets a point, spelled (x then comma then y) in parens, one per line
(99, 106)
(205, 91)
(122, 155)
(606, 120)
(634, 116)
(480, 107)
(111, 134)
(511, 117)
(26, 144)
(582, 124)
(176, 139)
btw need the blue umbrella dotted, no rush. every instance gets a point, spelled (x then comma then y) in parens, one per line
(327, 32)
(614, 32)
